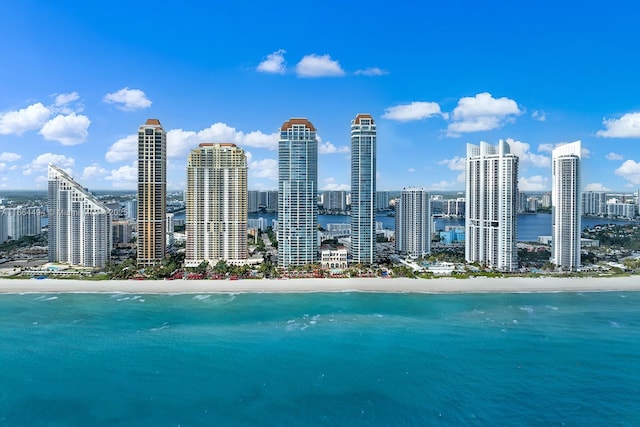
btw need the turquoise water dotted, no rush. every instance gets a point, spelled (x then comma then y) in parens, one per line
(320, 359)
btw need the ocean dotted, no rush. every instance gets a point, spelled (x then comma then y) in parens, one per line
(320, 359)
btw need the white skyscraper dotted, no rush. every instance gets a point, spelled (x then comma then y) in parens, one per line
(297, 193)
(491, 207)
(413, 223)
(79, 224)
(566, 206)
(216, 218)
(363, 189)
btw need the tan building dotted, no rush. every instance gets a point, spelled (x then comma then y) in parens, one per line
(152, 192)
(216, 198)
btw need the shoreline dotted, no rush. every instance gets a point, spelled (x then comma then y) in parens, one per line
(375, 285)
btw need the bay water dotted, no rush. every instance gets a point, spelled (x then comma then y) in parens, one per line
(320, 359)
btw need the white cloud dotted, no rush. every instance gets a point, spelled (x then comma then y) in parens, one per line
(629, 170)
(62, 103)
(455, 164)
(41, 163)
(329, 148)
(442, 185)
(93, 171)
(124, 177)
(614, 156)
(122, 150)
(66, 98)
(9, 157)
(627, 126)
(330, 184)
(534, 183)
(411, 170)
(318, 66)
(539, 115)
(371, 71)
(482, 112)
(595, 186)
(546, 148)
(128, 99)
(26, 119)
(67, 130)
(273, 63)
(523, 151)
(266, 168)
(417, 110)
(180, 142)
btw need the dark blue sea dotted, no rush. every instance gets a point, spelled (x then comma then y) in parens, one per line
(320, 359)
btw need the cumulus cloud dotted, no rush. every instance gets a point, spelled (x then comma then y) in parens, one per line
(534, 183)
(123, 150)
(630, 171)
(66, 98)
(273, 63)
(124, 177)
(128, 99)
(67, 130)
(63, 101)
(371, 71)
(481, 113)
(9, 157)
(595, 186)
(523, 151)
(539, 115)
(265, 168)
(455, 164)
(627, 126)
(330, 184)
(93, 171)
(318, 66)
(329, 148)
(442, 185)
(614, 156)
(26, 119)
(41, 163)
(417, 110)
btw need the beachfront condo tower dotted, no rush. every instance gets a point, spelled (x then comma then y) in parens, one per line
(297, 193)
(152, 193)
(566, 206)
(216, 221)
(491, 223)
(413, 223)
(79, 224)
(363, 189)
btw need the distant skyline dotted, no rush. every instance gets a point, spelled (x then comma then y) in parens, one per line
(78, 79)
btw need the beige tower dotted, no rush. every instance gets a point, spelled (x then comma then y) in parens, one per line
(152, 193)
(216, 222)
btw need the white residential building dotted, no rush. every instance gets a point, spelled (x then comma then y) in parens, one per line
(413, 223)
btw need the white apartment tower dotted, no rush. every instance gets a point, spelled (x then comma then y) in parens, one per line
(566, 206)
(297, 193)
(413, 223)
(79, 224)
(216, 217)
(152, 193)
(363, 189)
(491, 208)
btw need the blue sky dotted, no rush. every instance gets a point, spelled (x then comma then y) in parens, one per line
(78, 78)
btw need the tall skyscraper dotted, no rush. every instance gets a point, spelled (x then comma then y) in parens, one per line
(363, 189)
(79, 224)
(491, 223)
(566, 206)
(152, 192)
(382, 200)
(253, 200)
(413, 223)
(216, 218)
(297, 193)
(335, 200)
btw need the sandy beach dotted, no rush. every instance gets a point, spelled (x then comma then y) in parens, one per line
(442, 285)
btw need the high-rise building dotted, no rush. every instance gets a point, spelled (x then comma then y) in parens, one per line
(152, 192)
(566, 206)
(253, 201)
(297, 193)
(413, 223)
(216, 218)
(382, 200)
(594, 203)
(363, 189)
(79, 223)
(491, 223)
(335, 200)
(20, 221)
